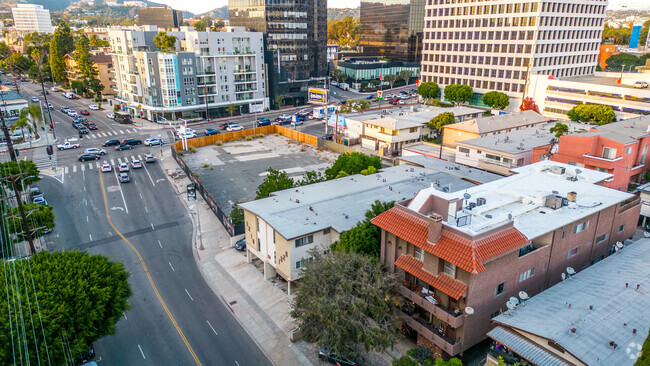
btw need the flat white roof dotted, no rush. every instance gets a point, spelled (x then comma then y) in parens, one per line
(523, 196)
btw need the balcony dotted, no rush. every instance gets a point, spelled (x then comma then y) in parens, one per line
(601, 162)
(629, 203)
(445, 314)
(243, 70)
(428, 331)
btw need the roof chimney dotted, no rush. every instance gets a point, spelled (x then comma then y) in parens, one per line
(435, 227)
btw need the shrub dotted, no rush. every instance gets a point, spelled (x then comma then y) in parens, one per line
(205, 165)
(218, 143)
(248, 138)
(180, 153)
(192, 149)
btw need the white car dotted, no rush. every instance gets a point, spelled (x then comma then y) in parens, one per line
(153, 142)
(235, 127)
(640, 84)
(111, 116)
(124, 167)
(72, 113)
(93, 107)
(285, 116)
(187, 135)
(106, 167)
(136, 164)
(55, 89)
(94, 150)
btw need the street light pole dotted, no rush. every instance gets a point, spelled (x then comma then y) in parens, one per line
(198, 220)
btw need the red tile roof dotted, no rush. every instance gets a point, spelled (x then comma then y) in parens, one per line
(442, 282)
(452, 248)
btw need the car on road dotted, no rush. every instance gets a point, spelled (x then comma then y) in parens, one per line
(153, 142)
(304, 113)
(225, 125)
(106, 167)
(93, 107)
(72, 113)
(187, 135)
(123, 147)
(234, 127)
(369, 97)
(86, 157)
(64, 109)
(296, 124)
(83, 129)
(262, 122)
(285, 116)
(67, 145)
(333, 358)
(640, 84)
(76, 125)
(328, 137)
(34, 99)
(123, 167)
(111, 143)
(49, 105)
(94, 150)
(40, 200)
(211, 131)
(281, 122)
(79, 119)
(241, 244)
(90, 125)
(34, 192)
(84, 112)
(300, 118)
(46, 92)
(136, 164)
(401, 102)
(131, 142)
(124, 178)
(148, 158)
(111, 116)
(55, 89)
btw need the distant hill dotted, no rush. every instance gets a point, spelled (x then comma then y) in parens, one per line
(340, 13)
(221, 13)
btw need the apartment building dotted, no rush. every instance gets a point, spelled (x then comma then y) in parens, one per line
(493, 125)
(497, 44)
(461, 255)
(32, 18)
(200, 78)
(281, 230)
(619, 149)
(599, 316)
(104, 67)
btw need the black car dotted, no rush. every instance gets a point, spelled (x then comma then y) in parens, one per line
(111, 143)
(85, 157)
(329, 137)
(123, 147)
(331, 357)
(131, 142)
(241, 244)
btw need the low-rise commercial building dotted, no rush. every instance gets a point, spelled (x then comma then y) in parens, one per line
(619, 149)
(493, 125)
(12, 103)
(281, 230)
(599, 316)
(460, 254)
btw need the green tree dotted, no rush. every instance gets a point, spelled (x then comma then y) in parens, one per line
(96, 42)
(18, 64)
(5, 51)
(27, 167)
(275, 181)
(40, 218)
(279, 101)
(406, 76)
(345, 303)
(644, 33)
(599, 114)
(405, 361)
(496, 100)
(528, 104)
(428, 90)
(616, 62)
(37, 41)
(352, 163)
(311, 177)
(236, 214)
(452, 362)
(355, 106)
(458, 93)
(391, 79)
(35, 116)
(231, 108)
(344, 32)
(65, 41)
(57, 65)
(644, 356)
(364, 238)
(338, 75)
(22, 123)
(203, 24)
(165, 42)
(80, 299)
(559, 129)
(620, 36)
(438, 122)
(85, 67)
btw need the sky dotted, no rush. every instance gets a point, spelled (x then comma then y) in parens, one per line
(201, 6)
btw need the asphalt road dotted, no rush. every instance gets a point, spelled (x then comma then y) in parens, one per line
(175, 318)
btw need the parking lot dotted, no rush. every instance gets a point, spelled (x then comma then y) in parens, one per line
(232, 171)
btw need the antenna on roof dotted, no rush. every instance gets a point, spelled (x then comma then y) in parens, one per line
(467, 196)
(523, 296)
(469, 310)
(510, 216)
(563, 276)
(514, 300)
(570, 271)
(511, 306)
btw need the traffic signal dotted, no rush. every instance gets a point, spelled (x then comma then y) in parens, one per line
(380, 95)
(50, 150)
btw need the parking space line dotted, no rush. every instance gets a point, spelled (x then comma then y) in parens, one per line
(141, 352)
(211, 327)
(83, 167)
(170, 264)
(188, 294)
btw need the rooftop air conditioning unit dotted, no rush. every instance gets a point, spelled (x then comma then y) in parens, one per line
(553, 201)
(559, 170)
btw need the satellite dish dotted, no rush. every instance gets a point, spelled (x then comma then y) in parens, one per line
(445, 189)
(570, 271)
(578, 171)
(511, 305)
(469, 310)
(523, 295)
(467, 196)
(619, 245)
(514, 300)
(563, 276)
(510, 216)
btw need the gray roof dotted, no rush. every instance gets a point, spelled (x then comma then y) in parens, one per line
(8, 95)
(341, 203)
(525, 139)
(603, 286)
(458, 170)
(415, 115)
(524, 347)
(499, 123)
(626, 131)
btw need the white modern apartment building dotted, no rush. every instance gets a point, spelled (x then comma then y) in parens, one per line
(204, 74)
(32, 18)
(496, 44)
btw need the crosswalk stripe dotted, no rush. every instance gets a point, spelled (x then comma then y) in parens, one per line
(112, 162)
(83, 168)
(74, 168)
(90, 166)
(132, 157)
(139, 157)
(97, 163)
(128, 131)
(122, 132)
(65, 171)
(103, 134)
(119, 160)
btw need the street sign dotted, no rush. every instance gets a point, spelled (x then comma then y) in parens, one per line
(417, 82)
(380, 95)
(317, 95)
(191, 190)
(381, 77)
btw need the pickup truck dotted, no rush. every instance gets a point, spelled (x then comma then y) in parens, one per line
(67, 145)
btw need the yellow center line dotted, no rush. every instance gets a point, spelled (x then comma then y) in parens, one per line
(146, 271)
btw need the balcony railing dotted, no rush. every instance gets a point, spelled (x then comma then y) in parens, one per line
(629, 203)
(428, 331)
(603, 158)
(445, 314)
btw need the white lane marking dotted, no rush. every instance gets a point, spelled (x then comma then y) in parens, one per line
(83, 175)
(141, 352)
(152, 228)
(139, 157)
(90, 166)
(126, 208)
(147, 170)
(65, 170)
(97, 164)
(83, 167)
(132, 157)
(91, 237)
(236, 363)
(170, 264)
(159, 243)
(125, 316)
(145, 209)
(122, 132)
(129, 131)
(215, 332)
(188, 294)
(74, 168)
(140, 195)
(119, 160)
(103, 134)
(86, 218)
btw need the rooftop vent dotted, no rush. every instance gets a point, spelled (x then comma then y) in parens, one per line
(553, 201)
(480, 201)
(558, 169)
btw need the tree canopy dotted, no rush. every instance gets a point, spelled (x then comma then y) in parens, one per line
(559, 129)
(528, 104)
(352, 105)
(345, 303)
(428, 90)
(616, 62)
(496, 100)
(344, 32)
(28, 167)
(364, 238)
(352, 163)
(458, 93)
(201, 25)
(57, 64)
(165, 42)
(644, 356)
(441, 120)
(391, 79)
(86, 71)
(40, 217)
(405, 75)
(599, 114)
(275, 181)
(80, 299)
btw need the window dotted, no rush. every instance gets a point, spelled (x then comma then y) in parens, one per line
(304, 241)
(609, 152)
(573, 252)
(499, 289)
(526, 275)
(628, 151)
(419, 254)
(527, 249)
(463, 150)
(601, 238)
(326, 231)
(621, 228)
(544, 267)
(581, 227)
(450, 269)
(563, 234)
(303, 262)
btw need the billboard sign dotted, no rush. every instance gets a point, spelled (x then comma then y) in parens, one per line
(316, 95)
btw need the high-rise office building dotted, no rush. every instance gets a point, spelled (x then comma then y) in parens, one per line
(295, 42)
(32, 18)
(497, 44)
(392, 29)
(161, 16)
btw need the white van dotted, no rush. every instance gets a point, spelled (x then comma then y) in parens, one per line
(69, 95)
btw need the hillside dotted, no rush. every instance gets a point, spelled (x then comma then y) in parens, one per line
(221, 13)
(340, 13)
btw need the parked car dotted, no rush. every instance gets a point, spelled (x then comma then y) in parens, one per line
(34, 192)
(40, 200)
(148, 158)
(329, 137)
(86, 157)
(124, 178)
(241, 244)
(111, 143)
(211, 131)
(35, 99)
(111, 116)
(93, 107)
(333, 358)
(55, 89)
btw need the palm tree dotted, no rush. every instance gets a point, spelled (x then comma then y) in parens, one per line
(22, 123)
(34, 112)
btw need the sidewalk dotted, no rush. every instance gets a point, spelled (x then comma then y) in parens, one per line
(260, 306)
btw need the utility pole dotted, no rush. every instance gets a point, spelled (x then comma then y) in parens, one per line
(21, 209)
(10, 145)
